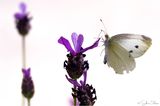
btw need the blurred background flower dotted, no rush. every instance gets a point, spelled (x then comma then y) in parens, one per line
(22, 20)
(27, 84)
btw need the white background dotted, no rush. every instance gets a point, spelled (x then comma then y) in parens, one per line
(55, 18)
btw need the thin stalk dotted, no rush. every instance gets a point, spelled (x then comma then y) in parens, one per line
(23, 52)
(23, 62)
(74, 98)
(29, 102)
(74, 101)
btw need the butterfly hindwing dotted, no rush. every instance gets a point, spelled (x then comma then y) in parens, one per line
(119, 58)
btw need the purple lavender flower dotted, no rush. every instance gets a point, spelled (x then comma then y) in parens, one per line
(85, 93)
(22, 20)
(27, 84)
(77, 43)
(76, 65)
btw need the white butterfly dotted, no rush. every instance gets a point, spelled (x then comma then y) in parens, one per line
(121, 49)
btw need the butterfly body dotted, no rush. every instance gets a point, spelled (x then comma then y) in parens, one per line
(121, 49)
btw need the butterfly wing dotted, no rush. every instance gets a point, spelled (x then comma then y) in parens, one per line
(118, 58)
(135, 44)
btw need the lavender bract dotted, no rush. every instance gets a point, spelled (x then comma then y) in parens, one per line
(22, 20)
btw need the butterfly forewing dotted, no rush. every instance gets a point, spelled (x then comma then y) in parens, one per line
(135, 44)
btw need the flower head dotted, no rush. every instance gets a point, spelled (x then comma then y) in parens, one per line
(22, 20)
(27, 84)
(77, 43)
(76, 65)
(85, 93)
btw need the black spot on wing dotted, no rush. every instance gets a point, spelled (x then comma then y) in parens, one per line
(136, 46)
(131, 51)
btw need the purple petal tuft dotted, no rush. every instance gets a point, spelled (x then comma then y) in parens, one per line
(66, 43)
(26, 72)
(22, 7)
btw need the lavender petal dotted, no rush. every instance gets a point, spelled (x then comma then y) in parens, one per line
(22, 7)
(66, 43)
(95, 44)
(74, 82)
(79, 43)
(85, 77)
(74, 37)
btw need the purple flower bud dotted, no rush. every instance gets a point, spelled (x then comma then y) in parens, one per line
(27, 84)
(86, 95)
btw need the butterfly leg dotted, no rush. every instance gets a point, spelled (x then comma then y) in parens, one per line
(105, 59)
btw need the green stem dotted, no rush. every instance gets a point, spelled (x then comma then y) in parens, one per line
(23, 52)
(29, 102)
(23, 62)
(74, 98)
(74, 101)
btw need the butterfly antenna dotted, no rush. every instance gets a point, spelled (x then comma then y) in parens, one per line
(105, 29)
(99, 35)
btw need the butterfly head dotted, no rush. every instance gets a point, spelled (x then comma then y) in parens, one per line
(106, 37)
